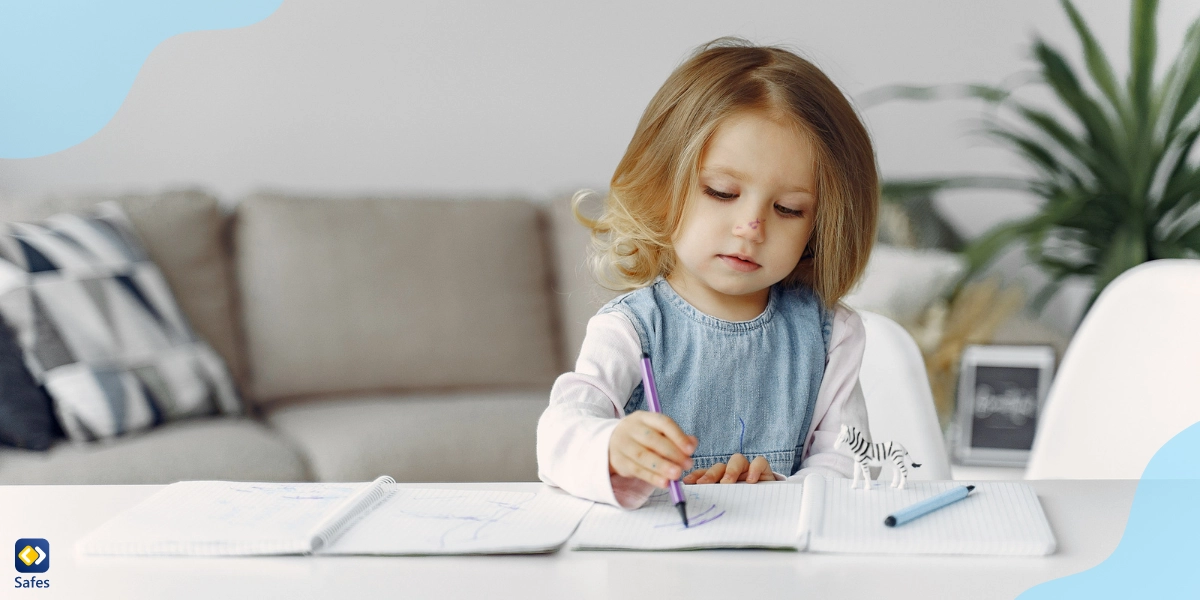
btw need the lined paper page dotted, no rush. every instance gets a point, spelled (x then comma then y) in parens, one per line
(437, 521)
(997, 518)
(763, 515)
(223, 518)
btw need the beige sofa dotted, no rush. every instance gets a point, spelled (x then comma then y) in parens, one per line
(417, 338)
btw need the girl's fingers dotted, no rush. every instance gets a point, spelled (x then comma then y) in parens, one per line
(694, 476)
(666, 426)
(663, 446)
(737, 465)
(654, 463)
(713, 474)
(760, 470)
(630, 468)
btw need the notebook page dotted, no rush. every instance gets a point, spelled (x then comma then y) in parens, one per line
(1002, 518)
(211, 518)
(763, 515)
(441, 521)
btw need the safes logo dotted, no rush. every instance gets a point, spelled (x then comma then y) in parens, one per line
(33, 555)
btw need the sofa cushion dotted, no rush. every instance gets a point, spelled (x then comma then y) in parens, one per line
(101, 329)
(423, 438)
(360, 295)
(185, 234)
(578, 294)
(227, 448)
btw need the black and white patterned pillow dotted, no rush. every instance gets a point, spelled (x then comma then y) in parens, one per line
(100, 329)
(26, 412)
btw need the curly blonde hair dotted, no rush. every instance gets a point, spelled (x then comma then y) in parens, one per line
(646, 197)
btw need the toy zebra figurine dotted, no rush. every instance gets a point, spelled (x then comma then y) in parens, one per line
(865, 452)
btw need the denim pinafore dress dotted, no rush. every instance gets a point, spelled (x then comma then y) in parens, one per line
(738, 386)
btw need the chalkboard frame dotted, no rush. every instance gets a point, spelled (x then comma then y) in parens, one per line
(1024, 373)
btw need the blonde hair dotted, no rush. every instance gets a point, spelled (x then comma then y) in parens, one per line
(645, 201)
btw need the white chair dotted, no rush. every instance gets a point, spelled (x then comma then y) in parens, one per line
(1129, 381)
(899, 401)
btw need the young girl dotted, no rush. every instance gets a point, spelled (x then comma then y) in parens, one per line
(742, 211)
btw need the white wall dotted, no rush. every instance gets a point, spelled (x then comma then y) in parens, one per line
(535, 97)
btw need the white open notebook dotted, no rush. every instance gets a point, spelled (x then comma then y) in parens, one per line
(1001, 518)
(719, 516)
(825, 515)
(223, 518)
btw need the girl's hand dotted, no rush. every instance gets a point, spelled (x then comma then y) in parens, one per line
(651, 447)
(739, 469)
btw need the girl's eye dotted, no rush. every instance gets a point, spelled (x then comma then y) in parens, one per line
(719, 195)
(783, 210)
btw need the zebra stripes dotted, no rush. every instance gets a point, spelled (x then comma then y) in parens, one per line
(866, 452)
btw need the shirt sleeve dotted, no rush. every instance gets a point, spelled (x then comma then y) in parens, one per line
(585, 405)
(840, 399)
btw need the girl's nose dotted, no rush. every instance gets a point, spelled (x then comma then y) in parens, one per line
(749, 228)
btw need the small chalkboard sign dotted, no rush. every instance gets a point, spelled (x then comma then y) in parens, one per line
(1000, 394)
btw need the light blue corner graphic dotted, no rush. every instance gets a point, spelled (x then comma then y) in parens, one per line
(1160, 551)
(67, 65)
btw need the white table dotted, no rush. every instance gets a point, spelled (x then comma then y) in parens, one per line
(1088, 518)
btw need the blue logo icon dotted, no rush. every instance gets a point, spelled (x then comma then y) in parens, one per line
(33, 555)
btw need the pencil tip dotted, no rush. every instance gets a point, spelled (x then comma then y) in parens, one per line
(970, 487)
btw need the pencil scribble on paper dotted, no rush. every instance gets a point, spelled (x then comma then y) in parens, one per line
(695, 520)
(463, 521)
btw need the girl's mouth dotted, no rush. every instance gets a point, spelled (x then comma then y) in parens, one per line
(738, 264)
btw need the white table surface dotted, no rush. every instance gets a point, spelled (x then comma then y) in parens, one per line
(1088, 518)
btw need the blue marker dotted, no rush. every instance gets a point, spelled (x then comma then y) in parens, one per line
(929, 505)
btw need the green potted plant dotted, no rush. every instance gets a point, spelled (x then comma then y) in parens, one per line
(1116, 185)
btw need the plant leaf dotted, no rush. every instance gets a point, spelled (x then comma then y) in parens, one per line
(1098, 64)
(1179, 96)
(1064, 83)
(1179, 189)
(1143, 43)
(887, 93)
(1191, 239)
(980, 252)
(1176, 183)
(900, 188)
(1126, 250)
(1040, 156)
(1099, 166)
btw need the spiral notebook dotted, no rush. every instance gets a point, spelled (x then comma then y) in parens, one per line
(826, 515)
(224, 518)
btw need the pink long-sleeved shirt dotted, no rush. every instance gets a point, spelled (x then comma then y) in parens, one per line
(585, 405)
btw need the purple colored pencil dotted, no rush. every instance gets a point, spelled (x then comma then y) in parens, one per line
(652, 399)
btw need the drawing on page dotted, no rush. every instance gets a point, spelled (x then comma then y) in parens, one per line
(458, 523)
(695, 520)
(708, 515)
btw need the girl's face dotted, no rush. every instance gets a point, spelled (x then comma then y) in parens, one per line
(747, 222)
